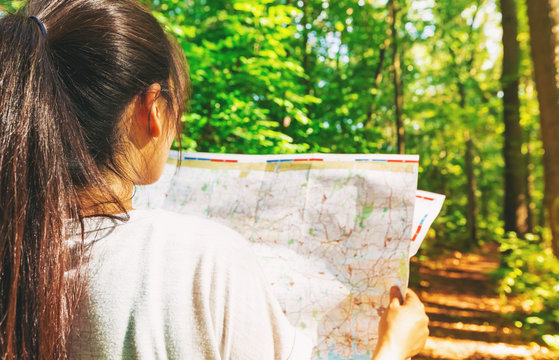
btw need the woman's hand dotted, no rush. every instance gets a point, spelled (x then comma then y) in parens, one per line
(403, 328)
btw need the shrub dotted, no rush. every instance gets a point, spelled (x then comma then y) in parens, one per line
(530, 272)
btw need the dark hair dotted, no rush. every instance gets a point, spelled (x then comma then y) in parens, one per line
(62, 99)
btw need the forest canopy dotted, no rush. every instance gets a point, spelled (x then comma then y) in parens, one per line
(420, 77)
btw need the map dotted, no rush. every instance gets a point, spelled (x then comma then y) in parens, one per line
(333, 232)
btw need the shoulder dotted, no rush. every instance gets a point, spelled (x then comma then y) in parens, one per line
(173, 221)
(189, 252)
(175, 232)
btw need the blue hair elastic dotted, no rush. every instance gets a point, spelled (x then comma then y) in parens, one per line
(41, 25)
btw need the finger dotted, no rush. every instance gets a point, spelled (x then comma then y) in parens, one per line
(411, 297)
(396, 293)
(395, 302)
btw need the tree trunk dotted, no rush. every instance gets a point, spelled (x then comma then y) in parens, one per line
(397, 76)
(305, 46)
(515, 208)
(530, 222)
(377, 76)
(472, 207)
(471, 215)
(543, 15)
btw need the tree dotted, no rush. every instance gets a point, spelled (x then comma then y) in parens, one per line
(543, 15)
(397, 77)
(515, 207)
(469, 168)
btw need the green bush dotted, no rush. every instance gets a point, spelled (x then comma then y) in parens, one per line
(530, 272)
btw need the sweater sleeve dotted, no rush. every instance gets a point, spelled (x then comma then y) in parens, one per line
(254, 325)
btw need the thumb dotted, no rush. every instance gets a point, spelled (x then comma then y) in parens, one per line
(396, 293)
(394, 303)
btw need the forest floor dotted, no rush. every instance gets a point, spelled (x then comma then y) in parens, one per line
(468, 319)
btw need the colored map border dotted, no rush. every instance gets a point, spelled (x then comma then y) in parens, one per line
(299, 162)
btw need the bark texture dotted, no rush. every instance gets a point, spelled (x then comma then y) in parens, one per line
(543, 17)
(515, 207)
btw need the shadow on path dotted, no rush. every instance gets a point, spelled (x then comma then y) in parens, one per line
(466, 315)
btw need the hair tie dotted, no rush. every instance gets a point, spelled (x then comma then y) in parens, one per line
(41, 25)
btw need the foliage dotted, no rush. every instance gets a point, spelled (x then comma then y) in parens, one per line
(11, 6)
(530, 271)
(246, 80)
(296, 76)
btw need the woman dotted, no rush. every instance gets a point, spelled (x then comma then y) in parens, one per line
(91, 93)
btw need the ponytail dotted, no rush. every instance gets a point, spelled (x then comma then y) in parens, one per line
(61, 101)
(35, 194)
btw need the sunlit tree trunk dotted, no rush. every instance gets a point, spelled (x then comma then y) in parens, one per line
(543, 17)
(397, 77)
(515, 208)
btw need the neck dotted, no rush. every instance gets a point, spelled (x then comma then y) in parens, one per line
(113, 199)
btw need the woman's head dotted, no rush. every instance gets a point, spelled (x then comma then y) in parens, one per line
(107, 54)
(72, 106)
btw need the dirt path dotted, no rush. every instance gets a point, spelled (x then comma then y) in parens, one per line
(466, 315)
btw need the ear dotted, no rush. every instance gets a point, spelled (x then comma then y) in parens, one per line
(153, 111)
